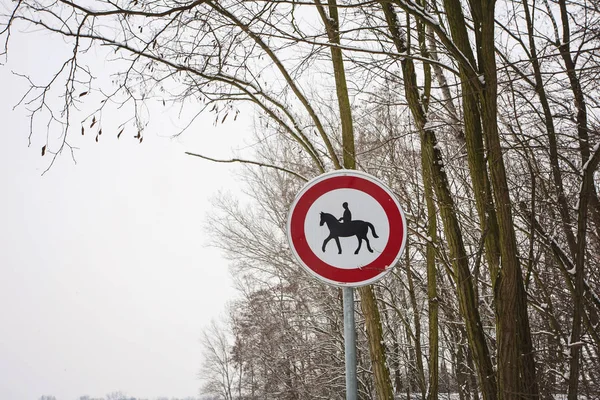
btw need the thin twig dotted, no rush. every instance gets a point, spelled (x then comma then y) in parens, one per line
(234, 160)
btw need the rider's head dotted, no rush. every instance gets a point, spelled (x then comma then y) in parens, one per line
(345, 205)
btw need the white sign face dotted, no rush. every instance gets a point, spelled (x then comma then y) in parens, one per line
(363, 208)
(346, 228)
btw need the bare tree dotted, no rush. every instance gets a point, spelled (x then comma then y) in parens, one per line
(218, 372)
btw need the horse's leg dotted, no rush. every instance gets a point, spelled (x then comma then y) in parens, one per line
(368, 244)
(325, 242)
(359, 244)
(337, 241)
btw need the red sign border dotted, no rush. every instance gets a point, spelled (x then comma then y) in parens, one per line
(368, 184)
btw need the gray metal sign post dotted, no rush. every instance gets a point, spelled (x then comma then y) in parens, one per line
(350, 344)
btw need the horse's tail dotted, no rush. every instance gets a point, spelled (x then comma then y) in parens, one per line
(370, 225)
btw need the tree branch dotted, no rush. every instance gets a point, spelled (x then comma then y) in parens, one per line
(234, 160)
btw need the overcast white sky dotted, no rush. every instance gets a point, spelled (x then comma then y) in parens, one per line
(105, 278)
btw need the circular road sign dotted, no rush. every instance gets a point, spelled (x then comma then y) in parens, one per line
(346, 228)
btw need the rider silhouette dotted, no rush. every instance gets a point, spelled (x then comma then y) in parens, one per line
(347, 217)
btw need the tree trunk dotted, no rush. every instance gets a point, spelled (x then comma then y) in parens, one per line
(420, 375)
(383, 384)
(368, 304)
(433, 302)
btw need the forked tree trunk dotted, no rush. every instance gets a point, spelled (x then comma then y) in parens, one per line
(516, 363)
(433, 161)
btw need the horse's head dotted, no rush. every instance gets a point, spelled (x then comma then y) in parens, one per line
(322, 219)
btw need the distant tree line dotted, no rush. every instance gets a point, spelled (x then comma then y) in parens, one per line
(122, 396)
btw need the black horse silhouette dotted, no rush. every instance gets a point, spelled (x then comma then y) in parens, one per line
(346, 229)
